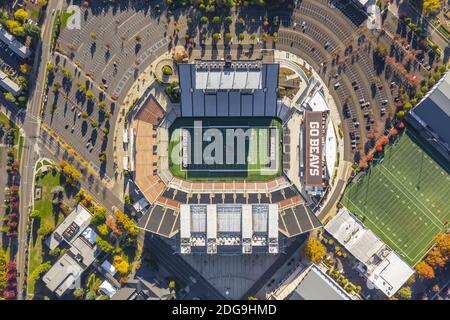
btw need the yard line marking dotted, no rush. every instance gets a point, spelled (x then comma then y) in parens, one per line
(409, 198)
(374, 225)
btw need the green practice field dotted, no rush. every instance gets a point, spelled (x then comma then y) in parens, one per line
(255, 152)
(404, 198)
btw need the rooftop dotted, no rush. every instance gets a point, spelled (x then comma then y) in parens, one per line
(216, 227)
(234, 88)
(8, 84)
(383, 267)
(63, 275)
(317, 285)
(16, 46)
(434, 110)
(72, 226)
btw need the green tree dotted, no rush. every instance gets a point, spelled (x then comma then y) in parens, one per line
(45, 230)
(103, 229)
(431, 6)
(35, 214)
(50, 67)
(204, 20)
(216, 20)
(21, 15)
(104, 245)
(407, 106)
(90, 95)
(9, 97)
(91, 295)
(67, 74)
(55, 252)
(401, 114)
(15, 28)
(127, 199)
(40, 270)
(216, 37)
(78, 293)
(404, 293)
(99, 216)
(32, 30)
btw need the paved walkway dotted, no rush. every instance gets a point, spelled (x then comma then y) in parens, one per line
(343, 170)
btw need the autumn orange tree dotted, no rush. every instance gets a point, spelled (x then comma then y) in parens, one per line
(424, 270)
(439, 255)
(435, 258)
(315, 250)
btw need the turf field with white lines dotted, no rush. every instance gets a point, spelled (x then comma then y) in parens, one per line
(261, 151)
(405, 198)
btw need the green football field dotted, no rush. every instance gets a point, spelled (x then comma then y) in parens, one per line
(405, 198)
(257, 149)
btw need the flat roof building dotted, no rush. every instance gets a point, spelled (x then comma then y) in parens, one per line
(229, 228)
(64, 274)
(15, 45)
(317, 285)
(228, 88)
(9, 85)
(431, 117)
(140, 289)
(381, 266)
(75, 232)
(72, 226)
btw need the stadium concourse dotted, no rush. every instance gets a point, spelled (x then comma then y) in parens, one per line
(238, 214)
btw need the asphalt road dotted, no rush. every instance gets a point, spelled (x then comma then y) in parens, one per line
(31, 126)
(175, 264)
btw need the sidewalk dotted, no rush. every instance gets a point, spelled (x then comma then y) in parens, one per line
(341, 173)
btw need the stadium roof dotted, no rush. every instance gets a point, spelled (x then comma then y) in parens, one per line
(434, 110)
(220, 89)
(235, 76)
(316, 285)
(229, 227)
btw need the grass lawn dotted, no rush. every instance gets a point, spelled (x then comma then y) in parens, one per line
(64, 18)
(256, 150)
(44, 205)
(404, 198)
(5, 120)
(34, 14)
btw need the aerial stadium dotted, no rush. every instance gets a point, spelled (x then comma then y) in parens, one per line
(241, 163)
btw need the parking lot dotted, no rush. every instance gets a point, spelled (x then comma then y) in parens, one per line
(105, 57)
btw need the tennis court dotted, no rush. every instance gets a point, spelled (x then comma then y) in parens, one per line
(247, 149)
(404, 198)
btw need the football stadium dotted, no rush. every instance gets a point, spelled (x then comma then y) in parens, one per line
(233, 168)
(242, 148)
